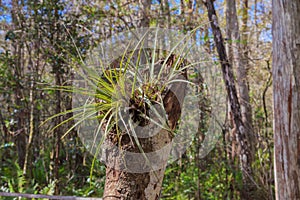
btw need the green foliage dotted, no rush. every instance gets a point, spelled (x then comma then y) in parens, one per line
(208, 177)
(49, 38)
(13, 180)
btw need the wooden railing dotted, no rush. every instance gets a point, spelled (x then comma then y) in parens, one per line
(41, 196)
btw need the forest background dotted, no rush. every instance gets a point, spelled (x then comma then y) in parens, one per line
(40, 41)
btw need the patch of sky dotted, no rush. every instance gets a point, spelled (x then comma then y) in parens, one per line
(266, 34)
(175, 7)
(5, 17)
(220, 7)
(4, 14)
(7, 3)
(261, 10)
(199, 36)
(153, 2)
(134, 7)
(106, 7)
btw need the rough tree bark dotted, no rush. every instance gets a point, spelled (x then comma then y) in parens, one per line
(286, 95)
(245, 152)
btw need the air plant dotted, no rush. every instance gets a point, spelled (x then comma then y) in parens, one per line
(127, 93)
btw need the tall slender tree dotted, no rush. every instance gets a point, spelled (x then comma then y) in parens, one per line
(286, 96)
(248, 188)
(238, 41)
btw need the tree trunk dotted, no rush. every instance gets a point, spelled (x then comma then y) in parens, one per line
(130, 176)
(122, 184)
(241, 132)
(242, 73)
(238, 46)
(286, 95)
(145, 12)
(19, 128)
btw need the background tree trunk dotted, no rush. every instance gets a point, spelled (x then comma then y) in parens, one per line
(248, 188)
(238, 42)
(145, 12)
(286, 95)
